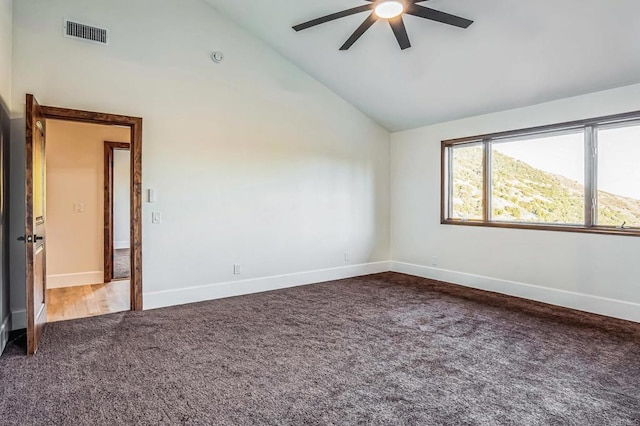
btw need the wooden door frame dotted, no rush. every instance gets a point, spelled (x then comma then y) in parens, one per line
(135, 124)
(109, 148)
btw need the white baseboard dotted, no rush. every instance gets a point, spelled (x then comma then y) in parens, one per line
(18, 320)
(121, 245)
(73, 280)
(581, 302)
(4, 333)
(161, 299)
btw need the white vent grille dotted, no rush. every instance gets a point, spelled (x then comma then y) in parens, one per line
(86, 32)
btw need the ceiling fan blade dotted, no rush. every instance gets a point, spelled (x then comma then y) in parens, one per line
(397, 25)
(333, 16)
(436, 15)
(371, 19)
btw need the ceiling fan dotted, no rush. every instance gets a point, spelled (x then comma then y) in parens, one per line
(392, 11)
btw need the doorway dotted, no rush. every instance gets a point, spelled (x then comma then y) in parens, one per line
(36, 238)
(80, 186)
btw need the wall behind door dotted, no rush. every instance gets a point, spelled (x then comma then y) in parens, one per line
(6, 15)
(4, 226)
(75, 201)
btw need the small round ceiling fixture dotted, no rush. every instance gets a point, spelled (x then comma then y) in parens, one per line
(217, 57)
(389, 9)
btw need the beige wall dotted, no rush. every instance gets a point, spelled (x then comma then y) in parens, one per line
(75, 177)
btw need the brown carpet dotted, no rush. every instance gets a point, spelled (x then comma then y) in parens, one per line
(121, 263)
(386, 349)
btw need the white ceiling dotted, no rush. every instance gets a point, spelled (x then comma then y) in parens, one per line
(517, 53)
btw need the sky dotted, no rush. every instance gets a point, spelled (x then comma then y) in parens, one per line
(618, 157)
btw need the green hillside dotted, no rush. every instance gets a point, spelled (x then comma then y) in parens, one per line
(526, 194)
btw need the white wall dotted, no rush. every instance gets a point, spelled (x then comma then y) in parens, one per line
(6, 28)
(121, 198)
(253, 161)
(75, 201)
(589, 265)
(6, 21)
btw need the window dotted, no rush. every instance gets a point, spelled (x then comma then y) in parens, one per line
(619, 176)
(582, 176)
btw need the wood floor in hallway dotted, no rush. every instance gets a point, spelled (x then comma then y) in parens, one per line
(87, 301)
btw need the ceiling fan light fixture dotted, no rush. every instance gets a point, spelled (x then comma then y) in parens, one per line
(389, 9)
(392, 11)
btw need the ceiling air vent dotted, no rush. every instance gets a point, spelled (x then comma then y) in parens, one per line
(85, 32)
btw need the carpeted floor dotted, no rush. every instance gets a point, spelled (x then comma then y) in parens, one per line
(384, 349)
(121, 263)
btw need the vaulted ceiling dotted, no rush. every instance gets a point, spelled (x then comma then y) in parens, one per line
(517, 53)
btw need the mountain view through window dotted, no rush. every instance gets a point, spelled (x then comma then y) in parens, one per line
(541, 179)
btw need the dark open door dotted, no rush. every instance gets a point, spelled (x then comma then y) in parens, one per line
(35, 190)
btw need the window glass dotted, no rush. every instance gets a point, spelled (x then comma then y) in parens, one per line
(619, 177)
(538, 179)
(466, 182)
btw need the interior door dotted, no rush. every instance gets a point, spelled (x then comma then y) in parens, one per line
(35, 191)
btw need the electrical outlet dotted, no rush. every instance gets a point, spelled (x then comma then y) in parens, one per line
(236, 269)
(434, 261)
(347, 257)
(156, 217)
(78, 207)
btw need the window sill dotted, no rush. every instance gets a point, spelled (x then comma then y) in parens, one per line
(635, 232)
